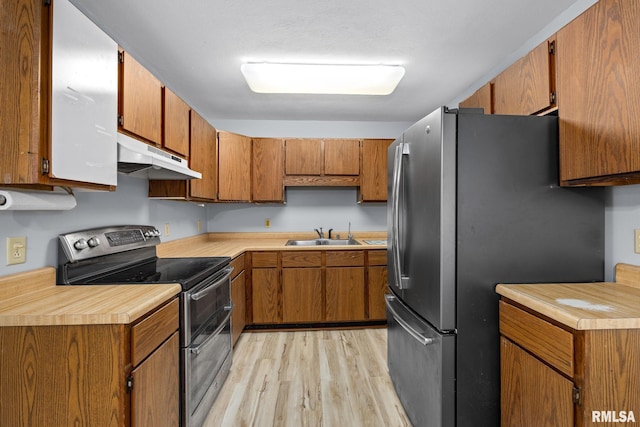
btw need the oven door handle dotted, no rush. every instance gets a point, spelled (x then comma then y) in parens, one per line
(198, 295)
(229, 308)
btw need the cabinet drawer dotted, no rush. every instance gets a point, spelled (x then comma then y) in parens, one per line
(149, 333)
(550, 343)
(345, 258)
(302, 259)
(377, 257)
(264, 259)
(238, 265)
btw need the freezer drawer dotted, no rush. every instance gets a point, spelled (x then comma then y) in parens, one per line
(422, 367)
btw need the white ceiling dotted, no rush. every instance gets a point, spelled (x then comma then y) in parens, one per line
(196, 48)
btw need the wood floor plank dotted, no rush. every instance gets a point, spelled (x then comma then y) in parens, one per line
(329, 378)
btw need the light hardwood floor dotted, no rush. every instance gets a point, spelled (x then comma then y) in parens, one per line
(309, 378)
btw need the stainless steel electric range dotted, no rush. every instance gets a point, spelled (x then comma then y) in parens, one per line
(127, 255)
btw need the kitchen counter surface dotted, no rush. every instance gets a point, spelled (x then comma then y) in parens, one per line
(584, 306)
(33, 299)
(234, 244)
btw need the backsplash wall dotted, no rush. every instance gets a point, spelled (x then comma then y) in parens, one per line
(128, 205)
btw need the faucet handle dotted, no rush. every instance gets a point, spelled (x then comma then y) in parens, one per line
(320, 232)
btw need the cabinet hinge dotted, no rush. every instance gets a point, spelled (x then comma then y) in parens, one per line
(552, 47)
(45, 166)
(129, 384)
(120, 57)
(552, 98)
(120, 120)
(577, 395)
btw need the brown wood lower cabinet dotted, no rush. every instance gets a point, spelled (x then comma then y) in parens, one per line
(345, 294)
(81, 374)
(552, 375)
(306, 287)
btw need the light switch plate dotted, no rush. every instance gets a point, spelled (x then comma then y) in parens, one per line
(16, 250)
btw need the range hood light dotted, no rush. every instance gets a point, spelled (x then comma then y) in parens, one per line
(322, 78)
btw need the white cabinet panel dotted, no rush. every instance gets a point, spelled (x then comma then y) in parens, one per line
(85, 96)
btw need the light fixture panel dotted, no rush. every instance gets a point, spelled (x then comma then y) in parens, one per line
(322, 78)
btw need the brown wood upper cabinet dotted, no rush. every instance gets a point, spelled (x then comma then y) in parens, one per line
(528, 86)
(481, 98)
(373, 175)
(599, 95)
(175, 123)
(322, 162)
(268, 170)
(139, 101)
(204, 159)
(234, 167)
(30, 144)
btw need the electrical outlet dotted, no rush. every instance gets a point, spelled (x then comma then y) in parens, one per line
(636, 240)
(166, 229)
(16, 250)
(267, 223)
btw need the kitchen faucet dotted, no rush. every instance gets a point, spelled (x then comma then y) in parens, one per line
(349, 235)
(320, 232)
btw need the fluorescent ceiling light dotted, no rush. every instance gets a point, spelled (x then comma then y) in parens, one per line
(322, 78)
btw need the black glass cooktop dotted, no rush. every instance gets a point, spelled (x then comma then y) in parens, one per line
(185, 271)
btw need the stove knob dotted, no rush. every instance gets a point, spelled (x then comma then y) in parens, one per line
(93, 242)
(80, 244)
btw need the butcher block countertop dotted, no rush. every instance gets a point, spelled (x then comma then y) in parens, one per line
(33, 299)
(584, 306)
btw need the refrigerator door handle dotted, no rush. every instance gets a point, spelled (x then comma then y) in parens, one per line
(415, 334)
(401, 150)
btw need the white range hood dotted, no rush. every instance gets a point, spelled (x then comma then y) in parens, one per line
(135, 158)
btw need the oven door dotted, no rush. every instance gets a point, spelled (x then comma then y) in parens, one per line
(206, 365)
(201, 302)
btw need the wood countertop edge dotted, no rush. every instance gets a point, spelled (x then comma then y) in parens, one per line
(70, 305)
(516, 293)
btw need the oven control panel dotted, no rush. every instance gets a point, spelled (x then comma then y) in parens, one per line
(96, 242)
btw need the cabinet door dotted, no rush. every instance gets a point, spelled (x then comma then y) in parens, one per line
(140, 100)
(238, 297)
(176, 124)
(266, 295)
(376, 289)
(373, 178)
(342, 157)
(302, 295)
(84, 102)
(526, 86)
(234, 167)
(344, 294)
(204, 158)
(532, 394)
(268, 170)
(155, 397)
(23, 67)
(303, 157)
(482, 98)
(599, 94)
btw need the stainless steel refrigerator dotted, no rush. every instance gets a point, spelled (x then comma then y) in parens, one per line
(474, 201)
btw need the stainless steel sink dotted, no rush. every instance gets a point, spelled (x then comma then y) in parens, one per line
(321, 242)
